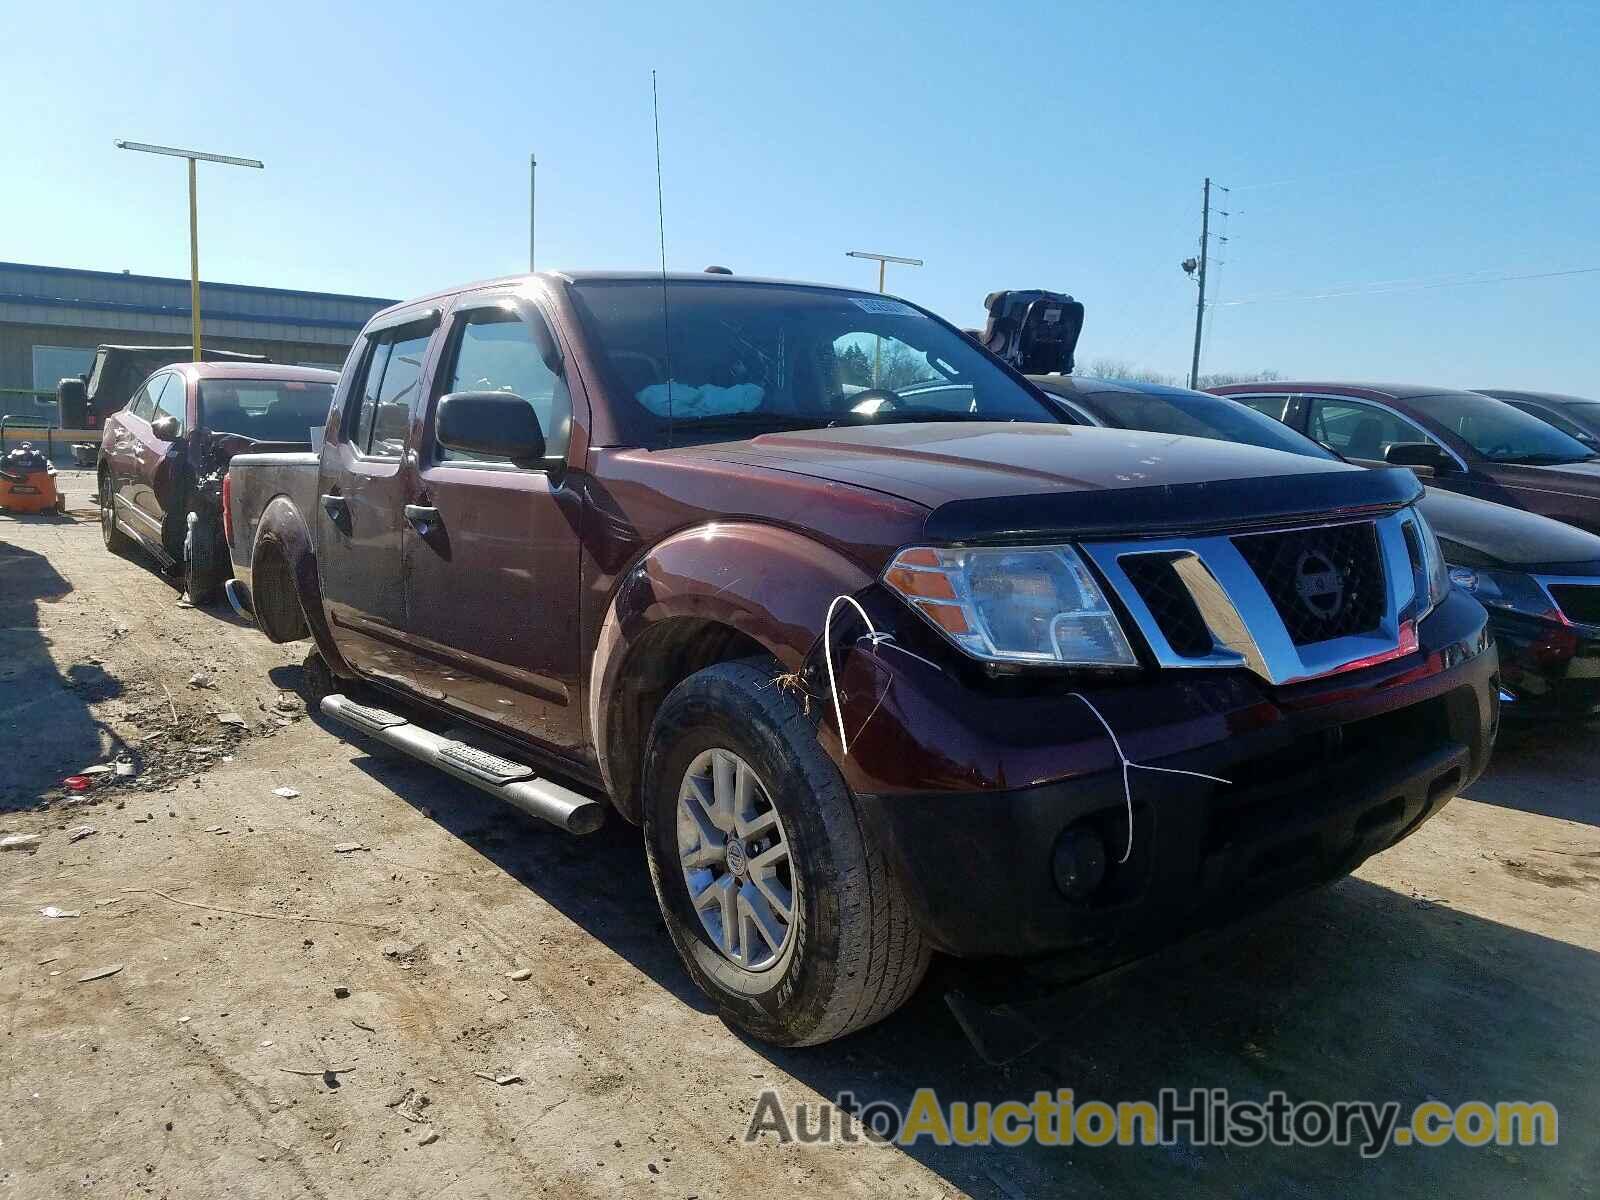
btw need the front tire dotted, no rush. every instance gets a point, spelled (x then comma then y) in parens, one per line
(116, 541)
(745, 817)
(206, 565)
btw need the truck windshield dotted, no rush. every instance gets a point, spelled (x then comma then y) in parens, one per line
(268, 410)
(1499, 432)
(749, 357)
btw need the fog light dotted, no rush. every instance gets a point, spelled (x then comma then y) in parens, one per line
(1079, 863)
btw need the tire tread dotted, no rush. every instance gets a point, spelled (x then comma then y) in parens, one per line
(880, 967)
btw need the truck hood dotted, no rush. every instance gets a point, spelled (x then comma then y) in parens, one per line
(1018, 480)
(937, 462)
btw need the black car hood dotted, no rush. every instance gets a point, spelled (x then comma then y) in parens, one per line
(1507, 536)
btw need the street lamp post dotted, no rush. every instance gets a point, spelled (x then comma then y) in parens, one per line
(194, 217)
(881, 260)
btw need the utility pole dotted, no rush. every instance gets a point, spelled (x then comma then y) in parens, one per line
(882, 260)
(533, 181)
(194, 218)
(1200, 302)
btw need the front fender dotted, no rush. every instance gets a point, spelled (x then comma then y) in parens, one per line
(770, 584)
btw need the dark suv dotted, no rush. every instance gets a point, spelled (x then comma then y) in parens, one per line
(1473, 444)
(884, 655)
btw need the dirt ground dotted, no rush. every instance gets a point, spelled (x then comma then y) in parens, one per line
(220, 1058)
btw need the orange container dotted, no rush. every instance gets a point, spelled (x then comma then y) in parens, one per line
(28, 482)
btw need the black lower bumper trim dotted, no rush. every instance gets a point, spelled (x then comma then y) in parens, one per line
(1305, 805)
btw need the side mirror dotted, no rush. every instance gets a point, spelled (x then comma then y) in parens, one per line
(502, 424)
(72, 400)
(1419, 454)
(165, 427)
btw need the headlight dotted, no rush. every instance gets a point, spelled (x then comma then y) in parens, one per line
(1511, 590)
(1037, 604)
(1433, 575)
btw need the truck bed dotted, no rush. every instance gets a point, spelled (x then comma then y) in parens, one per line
(256, 478)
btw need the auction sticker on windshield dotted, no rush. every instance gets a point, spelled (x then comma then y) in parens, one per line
(885, 308)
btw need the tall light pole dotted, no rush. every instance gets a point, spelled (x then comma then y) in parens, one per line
(194, 218)
(881, 260)
(533, 180)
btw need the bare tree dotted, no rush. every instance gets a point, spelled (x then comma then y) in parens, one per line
(1121, 369)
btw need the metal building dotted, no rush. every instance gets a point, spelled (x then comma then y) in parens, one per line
(52, 318)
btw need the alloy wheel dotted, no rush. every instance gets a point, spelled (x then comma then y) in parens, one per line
(736, 860)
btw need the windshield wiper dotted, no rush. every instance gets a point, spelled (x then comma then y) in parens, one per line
(744, 418)
(915, 416)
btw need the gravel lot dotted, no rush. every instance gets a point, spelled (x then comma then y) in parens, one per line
(1464, 964)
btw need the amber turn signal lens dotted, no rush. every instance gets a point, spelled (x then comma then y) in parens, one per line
(933, 585)
(947, 617)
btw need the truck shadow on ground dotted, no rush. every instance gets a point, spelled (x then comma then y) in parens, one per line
(1545, 769)
(41, 706)
(560, 868)
(1354, 991)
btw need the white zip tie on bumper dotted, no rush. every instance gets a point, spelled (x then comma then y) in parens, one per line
(876, 638)
(1129, 765)
(872, 635)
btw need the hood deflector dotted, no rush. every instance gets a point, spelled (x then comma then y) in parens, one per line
(1166, 509)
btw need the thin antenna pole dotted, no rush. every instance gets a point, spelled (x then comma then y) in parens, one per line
(661, 230)
(533, 194)
(1200, 300)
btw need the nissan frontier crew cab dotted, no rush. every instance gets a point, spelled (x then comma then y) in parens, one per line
(883, 656)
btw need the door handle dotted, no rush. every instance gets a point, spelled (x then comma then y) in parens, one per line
(422, 517)
(335, 507)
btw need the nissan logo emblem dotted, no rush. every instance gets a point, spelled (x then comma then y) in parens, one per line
(1320, 585)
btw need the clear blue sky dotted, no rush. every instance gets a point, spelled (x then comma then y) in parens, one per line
(1041, 145)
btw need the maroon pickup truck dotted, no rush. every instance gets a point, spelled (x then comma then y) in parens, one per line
(884, 656)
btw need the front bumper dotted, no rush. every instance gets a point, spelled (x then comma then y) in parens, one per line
(1548, 668)
(1321, 777)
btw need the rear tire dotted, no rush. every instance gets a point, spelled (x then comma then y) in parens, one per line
(850, 952)
(116, 541)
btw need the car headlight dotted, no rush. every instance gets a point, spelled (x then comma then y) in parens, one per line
(1036, 604)
(1511, 590)
(1433, 574)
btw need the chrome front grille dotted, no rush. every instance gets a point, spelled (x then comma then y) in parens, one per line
(1288, 604)
(1325, 582)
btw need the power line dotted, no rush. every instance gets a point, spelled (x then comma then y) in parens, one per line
(1390, 287)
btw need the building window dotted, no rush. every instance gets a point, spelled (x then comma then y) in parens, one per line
(54, 363)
